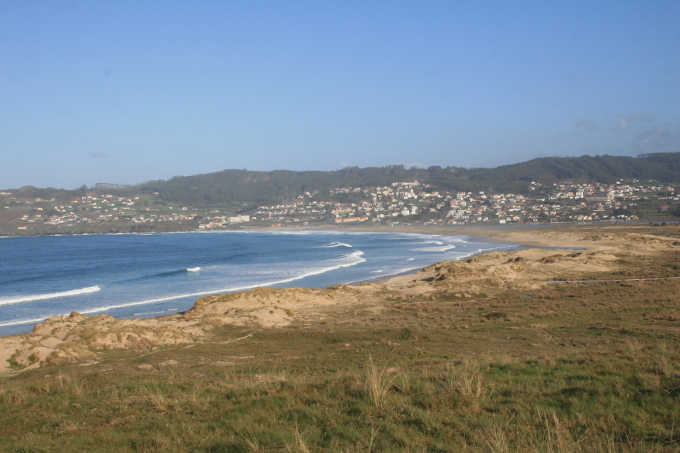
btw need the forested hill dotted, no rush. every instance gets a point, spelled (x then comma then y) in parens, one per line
(239, 187)
(258, 187)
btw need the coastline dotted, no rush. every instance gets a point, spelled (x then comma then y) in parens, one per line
(548, 236)
(359, 227)
(14, 327)
(600, 250)
(606, 339)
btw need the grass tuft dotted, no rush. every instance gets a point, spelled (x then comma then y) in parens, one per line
(377, 383)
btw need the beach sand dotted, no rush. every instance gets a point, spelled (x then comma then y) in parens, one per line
(557, 252)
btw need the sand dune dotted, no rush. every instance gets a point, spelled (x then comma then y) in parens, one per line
(589, 251)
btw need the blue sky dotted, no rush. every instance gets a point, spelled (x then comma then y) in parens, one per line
(129, 91)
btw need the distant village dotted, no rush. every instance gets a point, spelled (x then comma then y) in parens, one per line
(408, 201)
(400, 203)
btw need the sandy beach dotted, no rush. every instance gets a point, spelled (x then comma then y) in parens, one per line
(556, 252)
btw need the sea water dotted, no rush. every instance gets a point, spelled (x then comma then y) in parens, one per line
(136, 275)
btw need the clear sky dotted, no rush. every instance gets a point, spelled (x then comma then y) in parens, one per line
(124, 91)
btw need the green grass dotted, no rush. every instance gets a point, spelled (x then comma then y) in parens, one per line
(337, 398)
(568, 404)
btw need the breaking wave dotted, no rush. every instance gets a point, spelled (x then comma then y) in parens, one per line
(443, 248)
(336, 244)
(34, 297)
(348, 260)
(351, 259)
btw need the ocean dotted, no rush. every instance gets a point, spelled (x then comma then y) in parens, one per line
(144, 275)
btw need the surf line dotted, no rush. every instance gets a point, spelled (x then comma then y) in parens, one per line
(335, 244)
(34, 297)
(356, 258)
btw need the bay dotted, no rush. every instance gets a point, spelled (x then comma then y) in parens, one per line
(134, 275)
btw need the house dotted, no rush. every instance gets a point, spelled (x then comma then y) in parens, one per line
(239, 218)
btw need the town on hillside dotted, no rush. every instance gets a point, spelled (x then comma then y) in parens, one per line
(401, 203)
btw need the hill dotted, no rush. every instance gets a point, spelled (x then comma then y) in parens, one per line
(259, 187)
(250, 188)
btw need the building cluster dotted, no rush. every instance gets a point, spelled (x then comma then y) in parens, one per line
(404, 202)
(222, 221)
(86, 209)
(92, 209)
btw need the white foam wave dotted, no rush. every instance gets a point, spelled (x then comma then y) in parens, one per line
(392, 273)
(23, 321)
(336, 244)
(351, 259)
(462, 256)
(444, 248)
(410, 259)
(193, 269)
(293, 233)
(34, 297)
(438, 237)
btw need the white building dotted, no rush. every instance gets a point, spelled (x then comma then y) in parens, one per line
(239, 219)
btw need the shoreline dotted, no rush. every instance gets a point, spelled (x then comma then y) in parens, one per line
(549, 255)
(550, 236)
(364, 278)
(25, 327)
(359, 227)
(589, 330)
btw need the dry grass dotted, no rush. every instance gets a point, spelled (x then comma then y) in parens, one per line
(378, 383)
(299, 446)
(496, 438)
(467, 380)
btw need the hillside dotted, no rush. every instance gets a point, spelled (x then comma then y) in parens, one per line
(250, 188)
(257, 187)
(547, 190)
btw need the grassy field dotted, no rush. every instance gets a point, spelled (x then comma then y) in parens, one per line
(591, 367)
